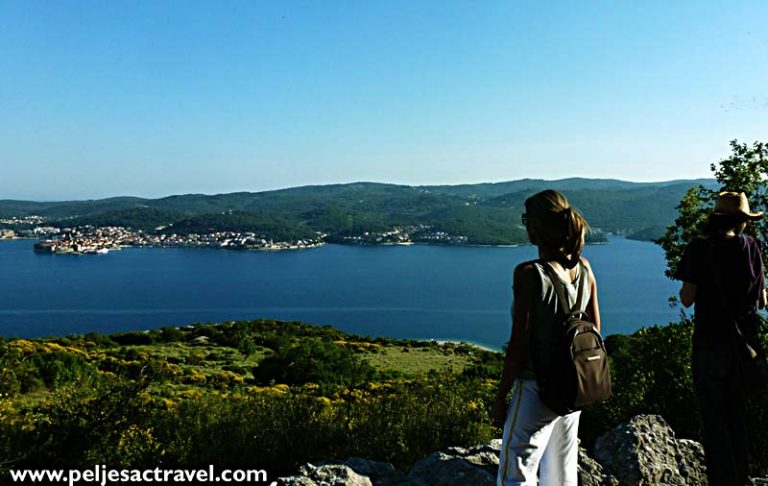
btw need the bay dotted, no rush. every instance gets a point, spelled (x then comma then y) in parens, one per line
(419, 291)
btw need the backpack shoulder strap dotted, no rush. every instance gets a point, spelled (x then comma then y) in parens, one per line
(559, 289)
(583, 279)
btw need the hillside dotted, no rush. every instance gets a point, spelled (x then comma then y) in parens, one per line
(480, 213)
(495, 189)
(241, 394)
(275, 395)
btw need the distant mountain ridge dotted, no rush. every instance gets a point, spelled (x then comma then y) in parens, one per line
(488, 213)
(494, 189)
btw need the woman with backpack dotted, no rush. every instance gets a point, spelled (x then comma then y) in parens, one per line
(540, 446)
(722, 275)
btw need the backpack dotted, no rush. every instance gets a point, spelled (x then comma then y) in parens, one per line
(577, 375)
(742, 336)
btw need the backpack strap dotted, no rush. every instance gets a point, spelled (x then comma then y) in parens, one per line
(583, 277)
(560, 290)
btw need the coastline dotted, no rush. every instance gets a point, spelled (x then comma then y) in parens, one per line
(307, 247)
(468, 343)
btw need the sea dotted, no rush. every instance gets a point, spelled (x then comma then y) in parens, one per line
(460, 293)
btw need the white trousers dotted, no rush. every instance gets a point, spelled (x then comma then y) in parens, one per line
(538, 446)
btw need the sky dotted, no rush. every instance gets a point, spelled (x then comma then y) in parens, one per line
(152, 98)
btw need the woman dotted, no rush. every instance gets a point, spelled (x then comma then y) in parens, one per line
(722, 275)
(538, 444)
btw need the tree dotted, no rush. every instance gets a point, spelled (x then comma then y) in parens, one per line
(746, 170)
(314, 360)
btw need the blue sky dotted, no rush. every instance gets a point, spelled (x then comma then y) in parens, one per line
(152, 98)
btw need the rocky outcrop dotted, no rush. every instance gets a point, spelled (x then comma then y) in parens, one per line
(591, 473)
(458, 466)
(355, 471)
(643, 451)
(326, 475)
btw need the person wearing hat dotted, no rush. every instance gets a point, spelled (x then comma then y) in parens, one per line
(722, 274)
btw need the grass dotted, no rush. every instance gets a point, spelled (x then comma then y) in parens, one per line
(210, 358)
(204, 358)
(415, 360)
(186, 362)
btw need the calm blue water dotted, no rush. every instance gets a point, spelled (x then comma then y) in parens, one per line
(405, 292)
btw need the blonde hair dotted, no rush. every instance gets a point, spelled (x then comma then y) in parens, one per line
(559, 228)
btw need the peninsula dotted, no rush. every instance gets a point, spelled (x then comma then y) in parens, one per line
(358, 213)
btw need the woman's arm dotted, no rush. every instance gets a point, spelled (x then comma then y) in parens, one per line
(593, 308)
(524, 289)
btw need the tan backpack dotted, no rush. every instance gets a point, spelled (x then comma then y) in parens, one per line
(578, 376)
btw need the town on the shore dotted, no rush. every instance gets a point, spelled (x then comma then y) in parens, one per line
(99, 240)
(90, 240)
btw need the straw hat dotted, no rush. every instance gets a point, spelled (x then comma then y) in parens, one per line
(734, 203)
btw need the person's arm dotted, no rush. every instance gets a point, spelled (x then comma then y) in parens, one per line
(524, 288)
(593, 308)
(688, 294)
(688, 271)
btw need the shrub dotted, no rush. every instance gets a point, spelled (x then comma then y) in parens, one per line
(132, 338)
(316, 361)
(170, 334)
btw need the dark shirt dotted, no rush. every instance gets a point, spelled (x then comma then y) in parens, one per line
(728, 273)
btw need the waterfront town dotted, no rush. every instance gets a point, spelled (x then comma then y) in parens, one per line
(421, 233)
(91, 240)
(99, 240)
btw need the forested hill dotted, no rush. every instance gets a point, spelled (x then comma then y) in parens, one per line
(494, 189)
(487, 213)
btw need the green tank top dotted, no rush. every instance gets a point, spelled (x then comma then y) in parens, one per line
(548, 316)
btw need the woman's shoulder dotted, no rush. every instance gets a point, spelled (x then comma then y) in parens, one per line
(526, 277)
(588, 266)
(528, 267)
(527, 271)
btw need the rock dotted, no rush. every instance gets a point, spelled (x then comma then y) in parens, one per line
(591, 472)
(456, 466)
(327, 475)
(441, 469)
(380, 473)
(462, 466)
(295, 481)
(645, 451)
(484, 456)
